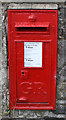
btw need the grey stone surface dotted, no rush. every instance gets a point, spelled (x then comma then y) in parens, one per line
(65, 56)
(33, 1)
(0, 62)
(45, 6)
(65, 22)
(20, 6)
(47, 118)
(59, 112)
(32, 6)
(65, 11)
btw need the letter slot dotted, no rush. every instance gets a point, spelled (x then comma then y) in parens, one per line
(32, 28)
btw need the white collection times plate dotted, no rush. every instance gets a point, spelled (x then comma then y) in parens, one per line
(32, 54)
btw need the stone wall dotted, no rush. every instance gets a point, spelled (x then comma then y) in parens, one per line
(60, 110)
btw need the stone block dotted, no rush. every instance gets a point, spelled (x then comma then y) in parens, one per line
(65, 55)
(19, 6)
(60, 54)
(65, 12)
(44, 6)
(32, 1)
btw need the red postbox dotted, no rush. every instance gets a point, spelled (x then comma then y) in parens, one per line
(32, 44)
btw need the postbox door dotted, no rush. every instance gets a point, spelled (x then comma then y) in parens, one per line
(33, 71)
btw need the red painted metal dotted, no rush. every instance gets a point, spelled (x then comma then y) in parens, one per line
(32, 87)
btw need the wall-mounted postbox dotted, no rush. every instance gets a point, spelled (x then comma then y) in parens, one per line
(32, 44)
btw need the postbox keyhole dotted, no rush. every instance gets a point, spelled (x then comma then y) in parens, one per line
(22, 73)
